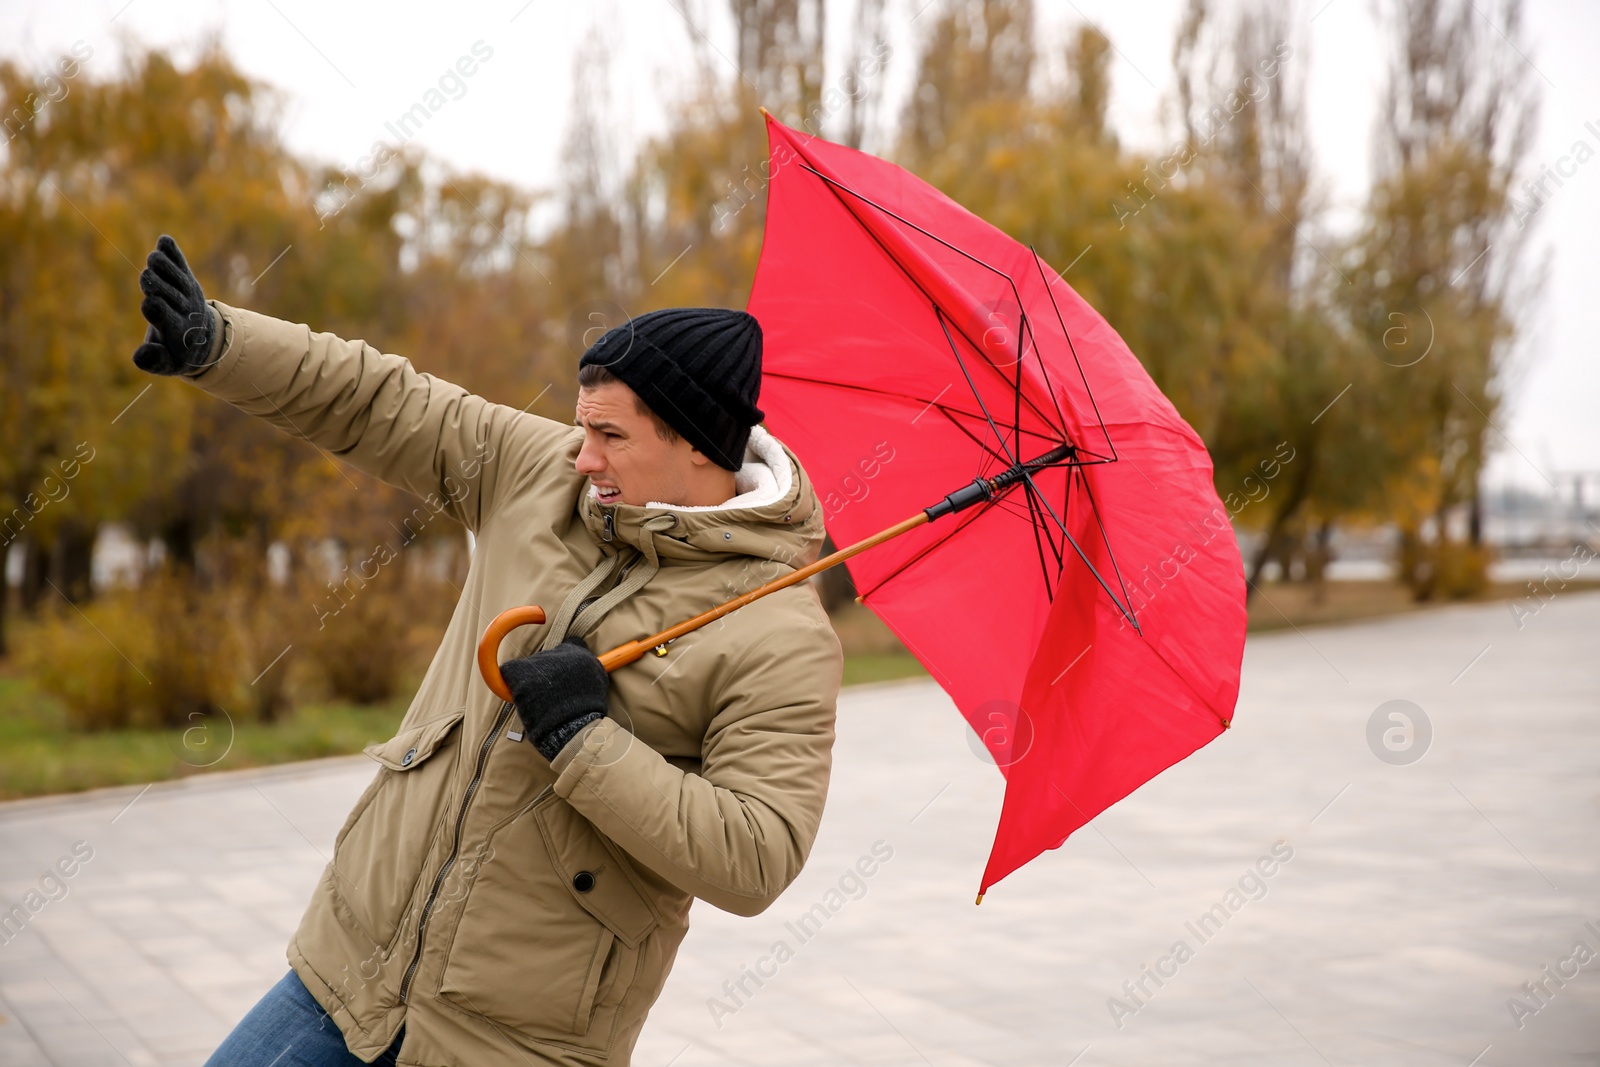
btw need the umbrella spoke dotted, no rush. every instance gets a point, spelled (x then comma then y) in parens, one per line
(838, 187)
(987, 452)
(1105, 539)
(1039, 541)
(1010, 455)
(1127, 610)
(1050, 291)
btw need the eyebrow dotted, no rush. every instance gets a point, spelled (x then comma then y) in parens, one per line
(598, 424)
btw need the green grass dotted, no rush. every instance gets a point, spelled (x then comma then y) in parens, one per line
(40, 754)
(881, 667)
(1282, 605)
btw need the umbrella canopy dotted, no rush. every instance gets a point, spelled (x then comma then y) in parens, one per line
(1087, 618)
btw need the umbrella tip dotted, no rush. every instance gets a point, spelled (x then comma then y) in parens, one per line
(1227, 724)
(765, 112)
(975, 903)
(861, 600)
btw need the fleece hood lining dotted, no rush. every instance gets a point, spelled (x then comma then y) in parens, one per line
(764, 478)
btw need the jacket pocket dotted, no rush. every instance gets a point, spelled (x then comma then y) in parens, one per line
(554, 933)
(378, 855)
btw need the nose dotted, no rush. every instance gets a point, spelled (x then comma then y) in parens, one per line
(588, 461)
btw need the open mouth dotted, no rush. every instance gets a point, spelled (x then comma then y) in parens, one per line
(608, 494)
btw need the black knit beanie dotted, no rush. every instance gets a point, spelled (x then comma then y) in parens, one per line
(698, 368)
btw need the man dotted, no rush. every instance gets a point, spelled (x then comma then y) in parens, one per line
(513, 886)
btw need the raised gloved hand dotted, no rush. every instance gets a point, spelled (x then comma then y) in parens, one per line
(557, 692)
(182, 324)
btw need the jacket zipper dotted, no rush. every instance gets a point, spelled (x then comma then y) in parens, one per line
(506, 708)
(610, 527)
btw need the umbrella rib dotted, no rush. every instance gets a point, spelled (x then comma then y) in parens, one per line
(1127, 612)
(939, 314)
(1038, 544)
(990, 452)
(947, 411)
(1016, 389)
(1026, 324)
(902, 396)
(1050, 291)
(1094, 509)
(837, 185)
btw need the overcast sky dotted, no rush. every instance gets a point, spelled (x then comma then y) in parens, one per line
(347, 75)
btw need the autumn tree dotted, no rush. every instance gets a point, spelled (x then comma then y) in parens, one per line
(1438, 270)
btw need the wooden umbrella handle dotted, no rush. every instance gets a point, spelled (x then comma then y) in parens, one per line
(489, 645)
(631, 651)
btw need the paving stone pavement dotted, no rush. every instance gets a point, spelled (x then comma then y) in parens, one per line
(1417, 901)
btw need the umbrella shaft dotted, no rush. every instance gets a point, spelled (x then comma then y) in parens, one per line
(983, 489)
(626, 653)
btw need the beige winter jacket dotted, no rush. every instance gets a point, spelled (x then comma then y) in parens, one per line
(506, 910)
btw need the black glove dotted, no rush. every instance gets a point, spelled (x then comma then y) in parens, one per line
(557, 692)
(182, 324)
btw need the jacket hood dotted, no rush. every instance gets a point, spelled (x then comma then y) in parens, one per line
(775, 516)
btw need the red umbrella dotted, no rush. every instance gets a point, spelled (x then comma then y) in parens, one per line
(1081, 596)
(1083, 605)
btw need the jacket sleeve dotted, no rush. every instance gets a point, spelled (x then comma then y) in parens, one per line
(372, 410)
(738, 832)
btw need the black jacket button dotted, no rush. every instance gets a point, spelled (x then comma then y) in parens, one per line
(583, 881)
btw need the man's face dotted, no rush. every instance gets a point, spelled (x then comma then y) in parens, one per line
(622, 454)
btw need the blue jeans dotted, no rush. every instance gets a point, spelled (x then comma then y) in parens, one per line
(287, 1028)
